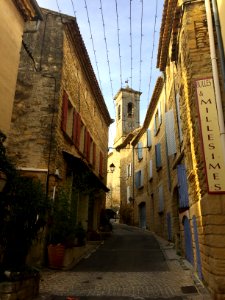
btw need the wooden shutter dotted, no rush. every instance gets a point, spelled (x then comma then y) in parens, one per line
(78, 130)
(158, 156)
(159, 113)
(74, 133)
(94, 155)
(182, 186)
(170, 133)
(161, 199)
(178, 117)
(64, 111)
(128, 194)
(140, 156)
(150, 169)
(149, 138)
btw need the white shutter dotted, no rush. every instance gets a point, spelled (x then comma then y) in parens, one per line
(128, 194)
(130, 169)
(178, 117)
(159, 113)
(170, 133)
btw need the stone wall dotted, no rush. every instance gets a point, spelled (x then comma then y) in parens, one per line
(11, 38)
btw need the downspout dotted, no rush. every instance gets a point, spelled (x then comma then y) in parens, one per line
(215, 75)
(133, 169)
(219, 39)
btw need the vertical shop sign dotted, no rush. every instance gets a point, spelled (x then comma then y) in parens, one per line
(214, 160)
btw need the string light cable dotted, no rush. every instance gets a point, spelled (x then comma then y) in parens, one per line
(118, 41)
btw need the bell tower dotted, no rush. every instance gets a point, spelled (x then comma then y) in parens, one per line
(127, 113)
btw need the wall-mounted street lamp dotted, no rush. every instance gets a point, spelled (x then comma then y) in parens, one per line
(112, 168)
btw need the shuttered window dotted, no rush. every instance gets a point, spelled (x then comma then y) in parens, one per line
(170, 133)
(139, 179)
(149, 138)
(178, 117)
(64, 111)
(182, 186)
(128, 194)
(161, 199)
(129, 170)
(94, 155)
(158, 158)
(140, 153)
(150, 170)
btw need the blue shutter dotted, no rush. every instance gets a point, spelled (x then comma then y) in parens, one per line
(182, 186)
(161, 199)
(169, 226)
(150, 169)
(197, 249)
(170, 132)
(149, 138)
(141, 178)
(137, 179)
(158, 156)
(140, 151)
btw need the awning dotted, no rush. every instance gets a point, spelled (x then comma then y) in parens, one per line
(84, 176)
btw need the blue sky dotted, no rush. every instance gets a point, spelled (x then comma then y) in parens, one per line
(144, 74)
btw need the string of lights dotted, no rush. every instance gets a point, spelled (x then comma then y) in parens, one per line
(93, 47)
(73, 6)
(131, 47)
(153, 48)
(142, 9)
(106, 48)
(118, 41)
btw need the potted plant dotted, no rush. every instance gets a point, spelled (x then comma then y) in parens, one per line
(61, 229)
(23, 212)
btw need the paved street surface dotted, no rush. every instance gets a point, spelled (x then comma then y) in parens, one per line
(131, 264)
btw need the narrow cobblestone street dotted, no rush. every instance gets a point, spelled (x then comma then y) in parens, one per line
(131, 264)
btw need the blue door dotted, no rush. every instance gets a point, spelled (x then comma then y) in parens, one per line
(142, 215)
(198, 256)
(188, 241)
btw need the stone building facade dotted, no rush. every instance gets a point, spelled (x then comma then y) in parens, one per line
(178, 154)
(14, 15)
(60, 121)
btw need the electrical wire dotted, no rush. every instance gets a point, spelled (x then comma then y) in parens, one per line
(153, 47)
(106, 48)
(92, 40)
(140, 68)
(131, 46)
(73, 6)
(118, 41)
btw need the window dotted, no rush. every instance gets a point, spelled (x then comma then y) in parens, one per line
(179, 118)
(150, 170)
(139, 179)
(170, 133)
(139, 151)
(157, 119)
(67, 116)
(94, 155)
(128, 194)
(182, 186)
(158, 158)
(161, 199)
(149, 138)
(129, 170)
(119, 112)
(130, 110)
(76, 128)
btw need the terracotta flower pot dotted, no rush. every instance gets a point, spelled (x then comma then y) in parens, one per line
(56, 256)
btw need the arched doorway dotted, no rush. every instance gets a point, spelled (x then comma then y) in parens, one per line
(188, 240)
(142, 215)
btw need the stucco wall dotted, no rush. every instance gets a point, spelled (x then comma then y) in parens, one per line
(11, 30)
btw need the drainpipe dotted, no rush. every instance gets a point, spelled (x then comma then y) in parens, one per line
(215, 75)
(219, 39)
